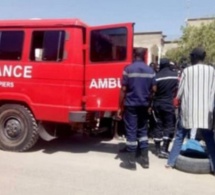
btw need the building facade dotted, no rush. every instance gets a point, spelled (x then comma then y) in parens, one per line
(199, 21)
(152, 42)
(155, 44)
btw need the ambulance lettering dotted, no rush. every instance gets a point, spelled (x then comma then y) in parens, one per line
(105, 83)
(6, 84)
(16, 71)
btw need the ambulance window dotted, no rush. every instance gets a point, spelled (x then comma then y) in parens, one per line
(47, 45)
(108, 45)
(11, 44)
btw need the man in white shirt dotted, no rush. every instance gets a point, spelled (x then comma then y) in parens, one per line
(196, 94)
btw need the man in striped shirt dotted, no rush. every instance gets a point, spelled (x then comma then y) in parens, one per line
(196, 93)
(137, 84)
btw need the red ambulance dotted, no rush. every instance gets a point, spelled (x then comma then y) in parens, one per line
(58, 74)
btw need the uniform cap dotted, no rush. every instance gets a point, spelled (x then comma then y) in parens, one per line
(164, 61)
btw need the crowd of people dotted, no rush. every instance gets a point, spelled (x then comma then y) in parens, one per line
(156, 91)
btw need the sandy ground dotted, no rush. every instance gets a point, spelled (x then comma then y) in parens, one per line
(82, 165)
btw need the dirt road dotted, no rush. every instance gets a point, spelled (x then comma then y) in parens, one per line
(82, 165)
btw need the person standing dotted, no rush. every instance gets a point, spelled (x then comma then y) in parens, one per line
(196, 93)
(151, 120)
(154, 66)
(138, 82)
(163, 108)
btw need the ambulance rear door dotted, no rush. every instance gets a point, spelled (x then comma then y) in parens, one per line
(109, 49)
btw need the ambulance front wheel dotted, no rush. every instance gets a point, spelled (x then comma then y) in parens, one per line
(18, 128)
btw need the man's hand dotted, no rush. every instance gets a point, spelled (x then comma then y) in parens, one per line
(121, 103)
(119, 114)
(176, 102)
(150, 110)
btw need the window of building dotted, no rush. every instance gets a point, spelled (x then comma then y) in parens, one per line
(108, 45)
(11, 45)
(47, 45)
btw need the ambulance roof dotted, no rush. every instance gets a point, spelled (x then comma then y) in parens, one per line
(37, 22)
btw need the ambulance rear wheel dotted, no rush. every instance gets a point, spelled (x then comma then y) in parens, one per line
(18, 128)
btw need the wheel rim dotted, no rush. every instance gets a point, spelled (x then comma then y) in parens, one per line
(18, 128)
(12, 128)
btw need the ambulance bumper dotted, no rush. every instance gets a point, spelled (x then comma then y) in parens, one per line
(78, 116)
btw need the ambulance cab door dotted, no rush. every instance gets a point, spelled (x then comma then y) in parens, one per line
(109, 50)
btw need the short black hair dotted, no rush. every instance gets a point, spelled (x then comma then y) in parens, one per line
(198, 53)
(138, 52)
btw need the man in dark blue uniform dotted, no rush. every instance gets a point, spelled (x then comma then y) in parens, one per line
(138, 82)
(163, 108)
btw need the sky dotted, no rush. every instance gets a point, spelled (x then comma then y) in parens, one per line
(148, 15)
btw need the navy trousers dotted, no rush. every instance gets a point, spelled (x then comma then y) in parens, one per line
(135, 119)
(165, 120)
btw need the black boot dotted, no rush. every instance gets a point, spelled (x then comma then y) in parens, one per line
(144, 158)
(157, 148)
(164, 153)
(130, 162)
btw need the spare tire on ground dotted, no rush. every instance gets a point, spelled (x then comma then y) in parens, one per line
(193, 165)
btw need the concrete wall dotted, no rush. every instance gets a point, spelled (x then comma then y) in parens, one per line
(168, 45)
(153, 41)
(199, 21)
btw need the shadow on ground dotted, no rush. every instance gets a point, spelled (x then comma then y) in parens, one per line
(77, 144)
(84, 144)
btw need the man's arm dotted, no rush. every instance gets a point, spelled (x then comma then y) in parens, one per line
(181, 86)
(121, 102)
(175, 100)
(122, 97)
(154, 90)
(122, 94)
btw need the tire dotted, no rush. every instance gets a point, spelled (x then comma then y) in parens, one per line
(193, 165)
(18, 128)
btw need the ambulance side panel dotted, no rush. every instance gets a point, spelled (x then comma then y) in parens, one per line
(50, 88)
